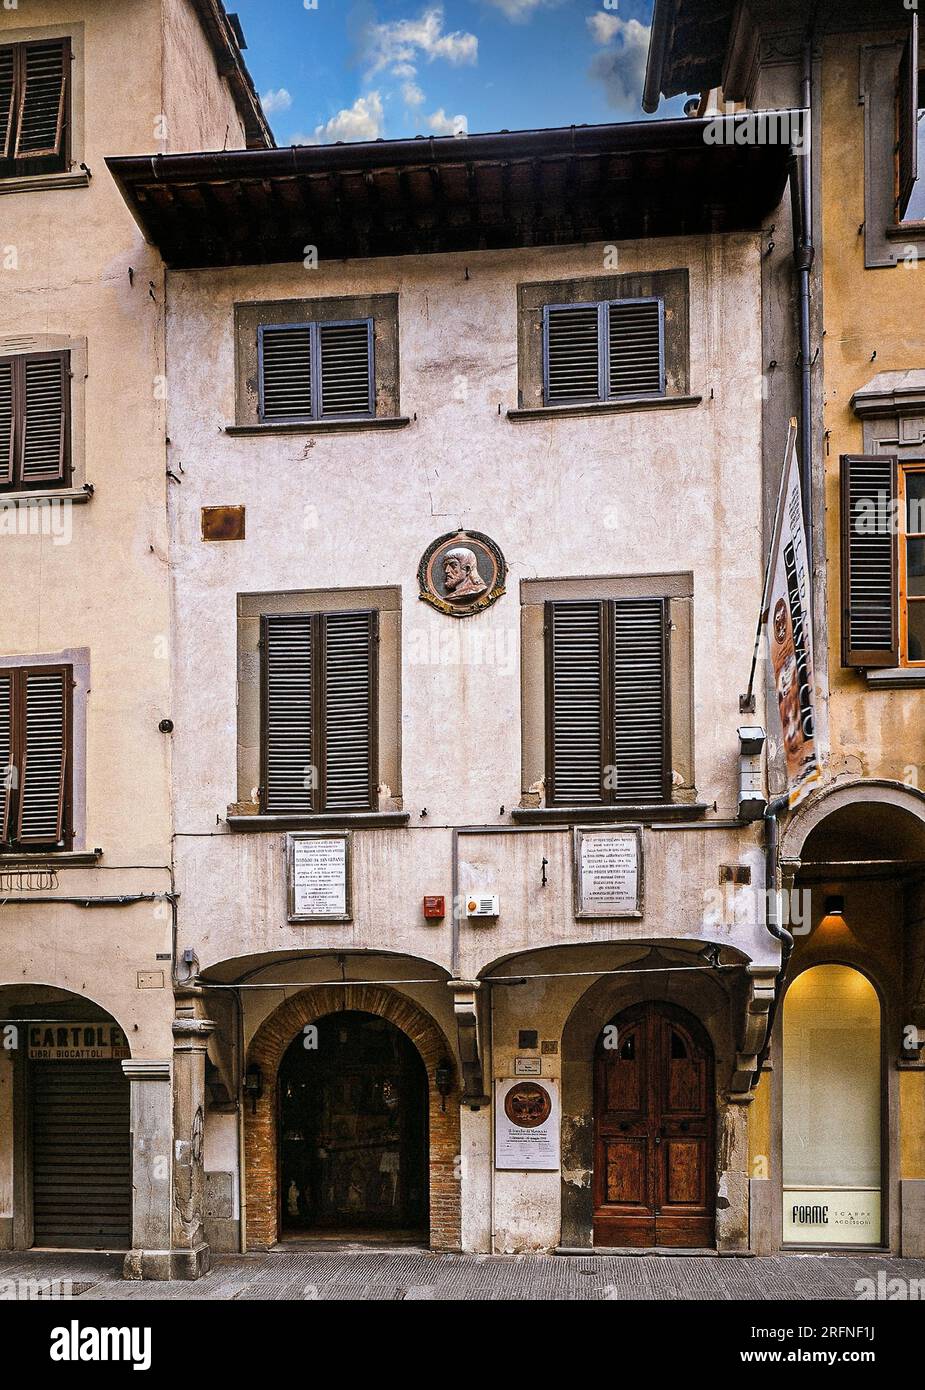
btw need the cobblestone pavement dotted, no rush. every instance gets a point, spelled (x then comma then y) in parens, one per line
(390, 1275)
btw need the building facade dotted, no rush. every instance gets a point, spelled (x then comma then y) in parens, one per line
(468, 534)
(837, 1154)
(86, 879)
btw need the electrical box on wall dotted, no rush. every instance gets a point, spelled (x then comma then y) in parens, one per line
(483, 905)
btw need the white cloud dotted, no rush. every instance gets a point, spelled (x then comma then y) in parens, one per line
(622, 68)
(412, 94)
(361, 121)
(442, 124)
(280, 100)
(399, 45)
(519, 10)
(603, 26)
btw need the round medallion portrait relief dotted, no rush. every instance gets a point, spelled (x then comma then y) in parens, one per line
(528, 1105)
(462, 573)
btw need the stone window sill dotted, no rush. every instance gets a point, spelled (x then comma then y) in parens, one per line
(52, 859)
(556, 412)
(567, 815)
(896, 677)
(42, 183)
(54, 494)
(351, 820)
(381, 422)
(906, 231)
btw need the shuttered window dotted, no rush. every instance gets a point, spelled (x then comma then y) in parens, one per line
(316, 371)
(604, 352)
(34, 420)
(607, 740)
(318, 712)
(35, 757)
(34, 98)
(869, 561)
(907, 128)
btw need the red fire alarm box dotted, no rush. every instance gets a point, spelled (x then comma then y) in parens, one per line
(434, 908)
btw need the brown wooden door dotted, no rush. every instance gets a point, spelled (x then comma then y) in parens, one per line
(654, 1180)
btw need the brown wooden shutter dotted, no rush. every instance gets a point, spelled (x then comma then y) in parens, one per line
(907, 118)
(6, 423)
(350, 641)
(44, 733)
(45, 394)
(640, 701)
(40, 125)
(7, 104)
(635, 341)
(575, 753)
(7, 773)
(289, 772)
(869, 560)
(286, 372)
(346, 368)
(573, 353)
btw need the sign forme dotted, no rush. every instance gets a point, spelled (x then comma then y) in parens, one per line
(607, 871)
(527, 1125)
(318, 867)
(76, 1042)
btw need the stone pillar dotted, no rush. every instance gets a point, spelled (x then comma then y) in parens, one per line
(190, 1253)
(732, 1176)
(151, 1123)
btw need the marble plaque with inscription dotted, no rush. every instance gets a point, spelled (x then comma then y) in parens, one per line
(608, 872)
(319, 877)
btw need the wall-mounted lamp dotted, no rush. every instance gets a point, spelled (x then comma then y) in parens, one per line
(253, 1084)
(752, 800)
(835, 905)
(443, 1076)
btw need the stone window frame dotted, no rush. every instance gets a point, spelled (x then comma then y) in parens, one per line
(76, 174)
(671, 286)
(23, 345)
(251, 315)
(678, 589)
(386, 601)
(884, 237)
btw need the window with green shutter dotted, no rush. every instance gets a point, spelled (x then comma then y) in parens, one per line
(318, 719)
(35, 757)
(34, 421)
(34, 101)
(607, 702)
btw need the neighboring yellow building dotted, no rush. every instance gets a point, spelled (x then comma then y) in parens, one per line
(837, 1129)
(85, 816)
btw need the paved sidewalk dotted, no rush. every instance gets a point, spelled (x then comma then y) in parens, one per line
(390, 1275)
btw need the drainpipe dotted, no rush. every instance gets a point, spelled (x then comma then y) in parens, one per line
(804, 256)
(772, 918)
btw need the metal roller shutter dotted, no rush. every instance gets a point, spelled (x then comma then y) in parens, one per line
(81, 1155)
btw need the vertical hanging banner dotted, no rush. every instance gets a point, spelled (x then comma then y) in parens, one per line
(790, 635)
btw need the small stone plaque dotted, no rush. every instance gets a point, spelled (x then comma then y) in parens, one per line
(608, 871)
(318, 871)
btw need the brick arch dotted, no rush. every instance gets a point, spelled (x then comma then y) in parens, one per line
(267, 1050)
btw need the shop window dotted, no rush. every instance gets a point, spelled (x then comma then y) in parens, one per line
(831, 1109)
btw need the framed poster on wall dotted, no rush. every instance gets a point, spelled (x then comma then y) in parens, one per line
(527, 1124)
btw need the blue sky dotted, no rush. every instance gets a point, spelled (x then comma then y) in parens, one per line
(359, 69)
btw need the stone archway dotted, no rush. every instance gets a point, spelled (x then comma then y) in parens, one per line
(266, 1051)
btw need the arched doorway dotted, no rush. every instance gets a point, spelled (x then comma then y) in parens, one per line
(265, 1055)
(66, 1141)
(654, 1179)
(832, 1108)
(352, 1098)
